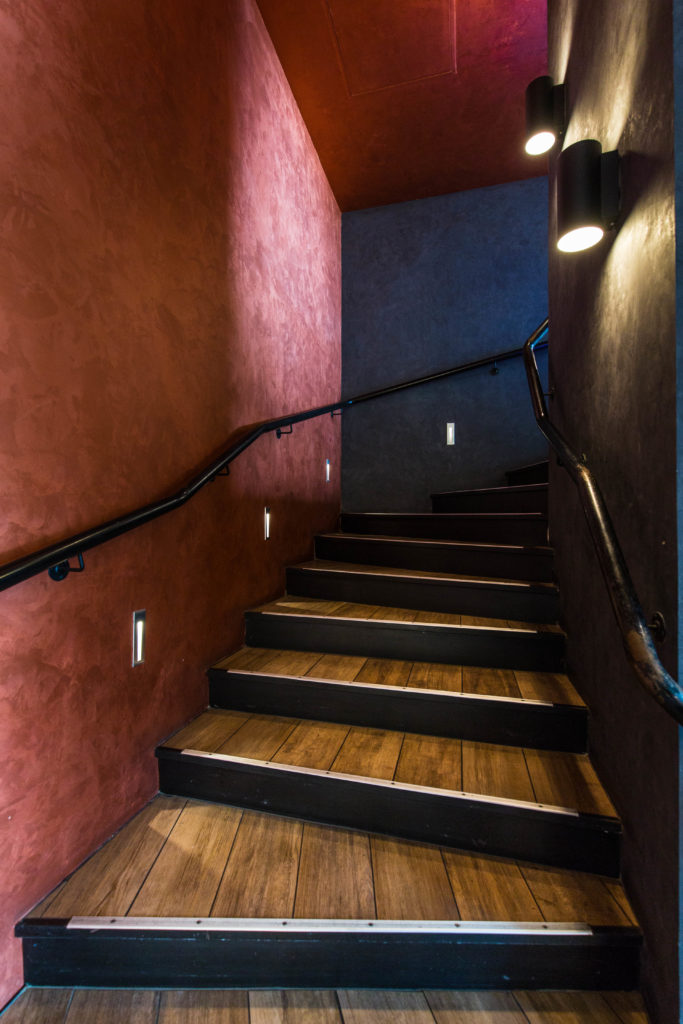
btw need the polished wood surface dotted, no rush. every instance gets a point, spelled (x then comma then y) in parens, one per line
(515, 773)
(96, 1006)
(411, 882)
(113, 876)
(188, 871)
(335, 874)
(290, 605)
(186, 858)
(252, 888)
(554, 688)
(192, 1007)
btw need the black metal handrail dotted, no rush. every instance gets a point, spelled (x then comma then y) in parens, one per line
(54, 558)
(636, 633)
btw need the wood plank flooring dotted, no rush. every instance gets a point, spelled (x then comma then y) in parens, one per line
(97, 1006)
(546, 686)
(189, 858)
(291, 605)
(516, 773)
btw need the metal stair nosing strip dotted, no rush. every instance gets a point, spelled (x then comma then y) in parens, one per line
(522, 649)
(493, 598)
(509, 720)
(511, 828)
(293, 953)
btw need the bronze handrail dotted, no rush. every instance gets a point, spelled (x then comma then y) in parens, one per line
(54, 558)
(636, 634)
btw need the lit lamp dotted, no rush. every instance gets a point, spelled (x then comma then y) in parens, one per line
(544, 115)
(587, 195)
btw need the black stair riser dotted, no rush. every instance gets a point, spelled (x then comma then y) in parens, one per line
(427, 595)
(607, 959)
(502, 563)
(535, 474)
(374, 638)
(513, 529)
(494, 500)
(559, 727)
(582, 843)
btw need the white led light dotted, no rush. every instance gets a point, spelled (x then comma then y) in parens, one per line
(139, 632)
(539, 143)
(327, 471)
(450, 433)
(580, 238)
(266, 522)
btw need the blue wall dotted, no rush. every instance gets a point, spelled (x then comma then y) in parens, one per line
(427, 285)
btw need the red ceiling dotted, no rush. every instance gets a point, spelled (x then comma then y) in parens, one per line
(412, 98)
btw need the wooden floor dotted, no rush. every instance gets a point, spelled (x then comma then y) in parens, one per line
(83, 1006)
(545, 686)
(515, 773)
(188, 858)
(290, 605)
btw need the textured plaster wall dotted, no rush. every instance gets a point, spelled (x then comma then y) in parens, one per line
(613, 362)
(427, 285)
(169, 272)
(678, 143)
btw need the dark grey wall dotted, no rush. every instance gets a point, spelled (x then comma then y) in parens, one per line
(427, 285)
(678, 143)
(613, 362)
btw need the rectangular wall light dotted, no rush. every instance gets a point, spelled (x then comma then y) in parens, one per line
(266, 522)
(450, 433)
(139, 636)
(327, 471)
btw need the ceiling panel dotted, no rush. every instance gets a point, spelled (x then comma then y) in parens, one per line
(412, 98)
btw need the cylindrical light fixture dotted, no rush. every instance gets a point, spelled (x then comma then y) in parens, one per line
(544, 115)
(580, 222)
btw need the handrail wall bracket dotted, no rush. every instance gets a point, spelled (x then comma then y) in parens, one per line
(54, 558)
(61, 570)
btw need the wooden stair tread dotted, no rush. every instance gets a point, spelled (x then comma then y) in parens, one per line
(344, 1006)
(500, 489)
(448, 515)
(325, 565)
(291, 605)
(188, 858)
(379, 537)
(544, 686)
(513, 773)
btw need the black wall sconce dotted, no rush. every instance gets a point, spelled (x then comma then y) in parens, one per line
(587, 195)
(544, 115)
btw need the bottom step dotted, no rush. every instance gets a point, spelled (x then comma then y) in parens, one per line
(319, 953)
(321, 1007)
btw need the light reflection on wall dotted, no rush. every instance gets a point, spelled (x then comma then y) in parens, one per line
(601, 98)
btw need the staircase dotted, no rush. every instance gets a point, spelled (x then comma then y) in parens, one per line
(390, 788)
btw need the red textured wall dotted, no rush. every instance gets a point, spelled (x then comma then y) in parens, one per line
(169, 272)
